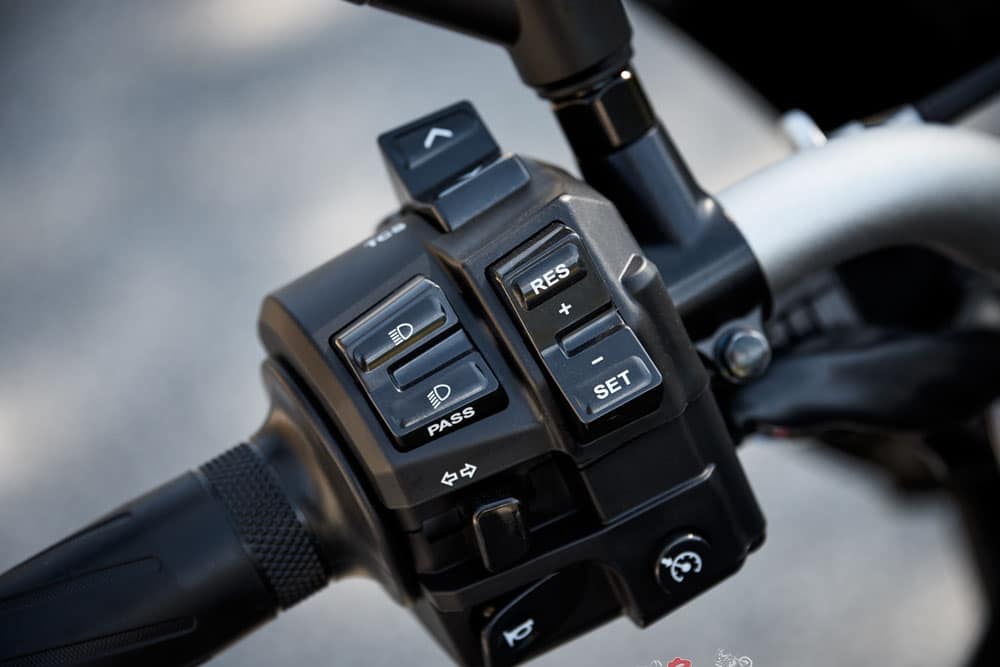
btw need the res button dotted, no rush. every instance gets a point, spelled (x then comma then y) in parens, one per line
(551, 284)
(549, 275)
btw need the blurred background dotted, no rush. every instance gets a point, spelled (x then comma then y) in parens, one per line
(163, 166)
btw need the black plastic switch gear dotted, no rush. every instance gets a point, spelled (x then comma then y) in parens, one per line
(426, 155)
(418, 366)
(500, 533)
(563, 304)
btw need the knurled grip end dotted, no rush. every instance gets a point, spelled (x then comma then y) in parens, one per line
(267, 524)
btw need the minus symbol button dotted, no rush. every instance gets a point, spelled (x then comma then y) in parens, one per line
(597, 361)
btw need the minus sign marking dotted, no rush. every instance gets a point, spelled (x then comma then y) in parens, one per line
(597, 361)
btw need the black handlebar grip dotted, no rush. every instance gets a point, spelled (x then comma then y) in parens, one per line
(170, 578)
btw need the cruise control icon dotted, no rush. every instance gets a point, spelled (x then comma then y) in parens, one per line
(685, 563)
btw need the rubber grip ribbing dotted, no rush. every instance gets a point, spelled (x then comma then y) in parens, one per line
(170, 578)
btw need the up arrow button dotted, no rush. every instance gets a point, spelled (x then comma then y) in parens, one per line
(430, 154)
(436, 132)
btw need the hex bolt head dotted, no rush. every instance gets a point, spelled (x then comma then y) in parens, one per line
(744, 354)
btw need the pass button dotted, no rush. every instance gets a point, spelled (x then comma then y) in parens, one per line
(459, 394)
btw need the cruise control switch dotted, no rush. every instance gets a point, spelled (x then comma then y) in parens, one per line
(565, 310)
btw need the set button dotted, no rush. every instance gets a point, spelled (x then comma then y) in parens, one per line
(612, 386)
(603, 377)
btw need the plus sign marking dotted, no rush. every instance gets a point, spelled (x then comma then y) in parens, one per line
(564, 308)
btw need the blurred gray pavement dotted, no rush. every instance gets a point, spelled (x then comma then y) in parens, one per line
(164, 165)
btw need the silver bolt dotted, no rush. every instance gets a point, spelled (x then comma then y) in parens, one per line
(744, 354)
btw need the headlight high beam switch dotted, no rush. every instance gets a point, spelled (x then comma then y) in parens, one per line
(418, 367)
(598, 364)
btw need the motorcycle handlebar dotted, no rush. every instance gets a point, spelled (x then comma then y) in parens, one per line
(925, 185)
(170, 578)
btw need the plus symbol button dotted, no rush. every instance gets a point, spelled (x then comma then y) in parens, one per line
(564, 308)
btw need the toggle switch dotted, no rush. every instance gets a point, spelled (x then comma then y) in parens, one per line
(418, 367)
(408, 317)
